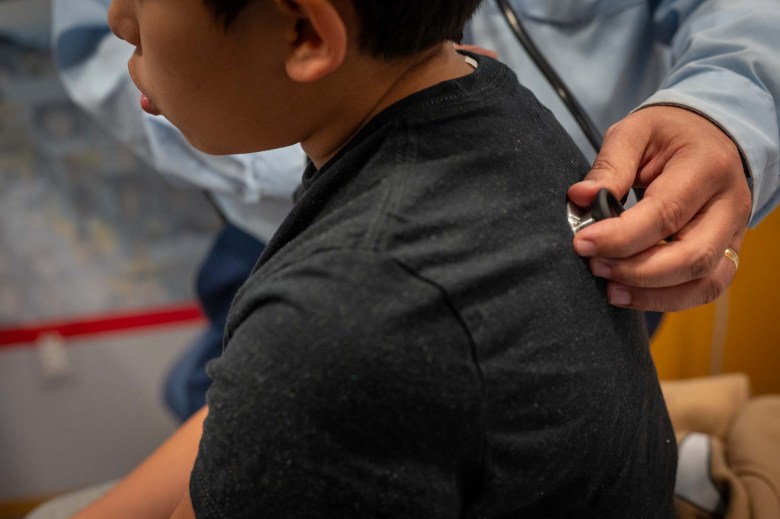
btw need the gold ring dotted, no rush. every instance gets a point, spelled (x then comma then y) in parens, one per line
(733, 256)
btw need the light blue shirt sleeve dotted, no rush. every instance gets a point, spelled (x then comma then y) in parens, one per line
(254, 191)
(725, 64)
(719, 58)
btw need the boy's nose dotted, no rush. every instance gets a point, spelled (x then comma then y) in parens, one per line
(121, 19)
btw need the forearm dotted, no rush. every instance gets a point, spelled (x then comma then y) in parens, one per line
(725, 67)
(157, 486)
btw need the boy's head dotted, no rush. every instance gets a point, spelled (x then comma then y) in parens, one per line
(247, 75)
(388, 28)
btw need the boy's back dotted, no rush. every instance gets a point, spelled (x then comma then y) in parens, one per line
(420, 340)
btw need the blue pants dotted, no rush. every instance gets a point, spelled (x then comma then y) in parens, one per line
(653, 320)
(226, 267)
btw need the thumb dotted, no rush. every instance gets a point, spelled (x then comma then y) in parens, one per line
(616, 164)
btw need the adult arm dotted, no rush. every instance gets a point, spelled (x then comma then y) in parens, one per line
(155, 488)
(697, 144)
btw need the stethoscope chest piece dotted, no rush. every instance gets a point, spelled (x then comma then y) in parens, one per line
(604, 205)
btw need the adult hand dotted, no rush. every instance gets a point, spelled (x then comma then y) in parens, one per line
(696, 192)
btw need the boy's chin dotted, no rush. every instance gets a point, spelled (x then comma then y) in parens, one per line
(219, 147)
(210, 147)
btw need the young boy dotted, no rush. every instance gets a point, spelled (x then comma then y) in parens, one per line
(418, 339)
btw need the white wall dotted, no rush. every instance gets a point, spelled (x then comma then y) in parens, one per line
(91, 425)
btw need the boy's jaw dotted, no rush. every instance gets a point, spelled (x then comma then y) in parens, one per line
(390, 83)
(148, 106)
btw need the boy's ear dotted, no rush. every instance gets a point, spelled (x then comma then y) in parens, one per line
(317, 40)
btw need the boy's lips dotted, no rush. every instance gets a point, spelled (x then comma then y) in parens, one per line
(148, 106)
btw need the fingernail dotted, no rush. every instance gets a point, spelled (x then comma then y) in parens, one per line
(585, 248)
(600, 270)
(619, 296)
(585, 183)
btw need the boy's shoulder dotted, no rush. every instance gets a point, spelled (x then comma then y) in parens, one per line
(430, 257)
(473, 164)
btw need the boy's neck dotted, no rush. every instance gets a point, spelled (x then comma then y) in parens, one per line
(388, 83)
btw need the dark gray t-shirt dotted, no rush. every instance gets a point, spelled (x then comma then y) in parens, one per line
(419, 339)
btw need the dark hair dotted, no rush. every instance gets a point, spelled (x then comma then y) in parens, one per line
(389, 28)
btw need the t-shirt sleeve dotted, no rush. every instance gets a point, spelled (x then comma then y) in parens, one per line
(348, 388)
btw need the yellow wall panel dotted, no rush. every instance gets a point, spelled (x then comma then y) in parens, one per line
(740, 331)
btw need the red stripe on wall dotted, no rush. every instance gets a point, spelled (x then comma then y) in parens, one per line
(108, 323)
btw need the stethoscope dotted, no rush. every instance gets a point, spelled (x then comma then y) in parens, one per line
(605, 205)
(575, 108)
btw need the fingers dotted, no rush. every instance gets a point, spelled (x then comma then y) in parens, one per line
(637, 229)
(616, 165)
(693, 254)
(691, 270)
(675, 298)
(684, 160)
(696, 191)
(669, 204)
(680, 186)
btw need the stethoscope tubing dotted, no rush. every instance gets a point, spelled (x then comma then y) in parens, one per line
(585, 123)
